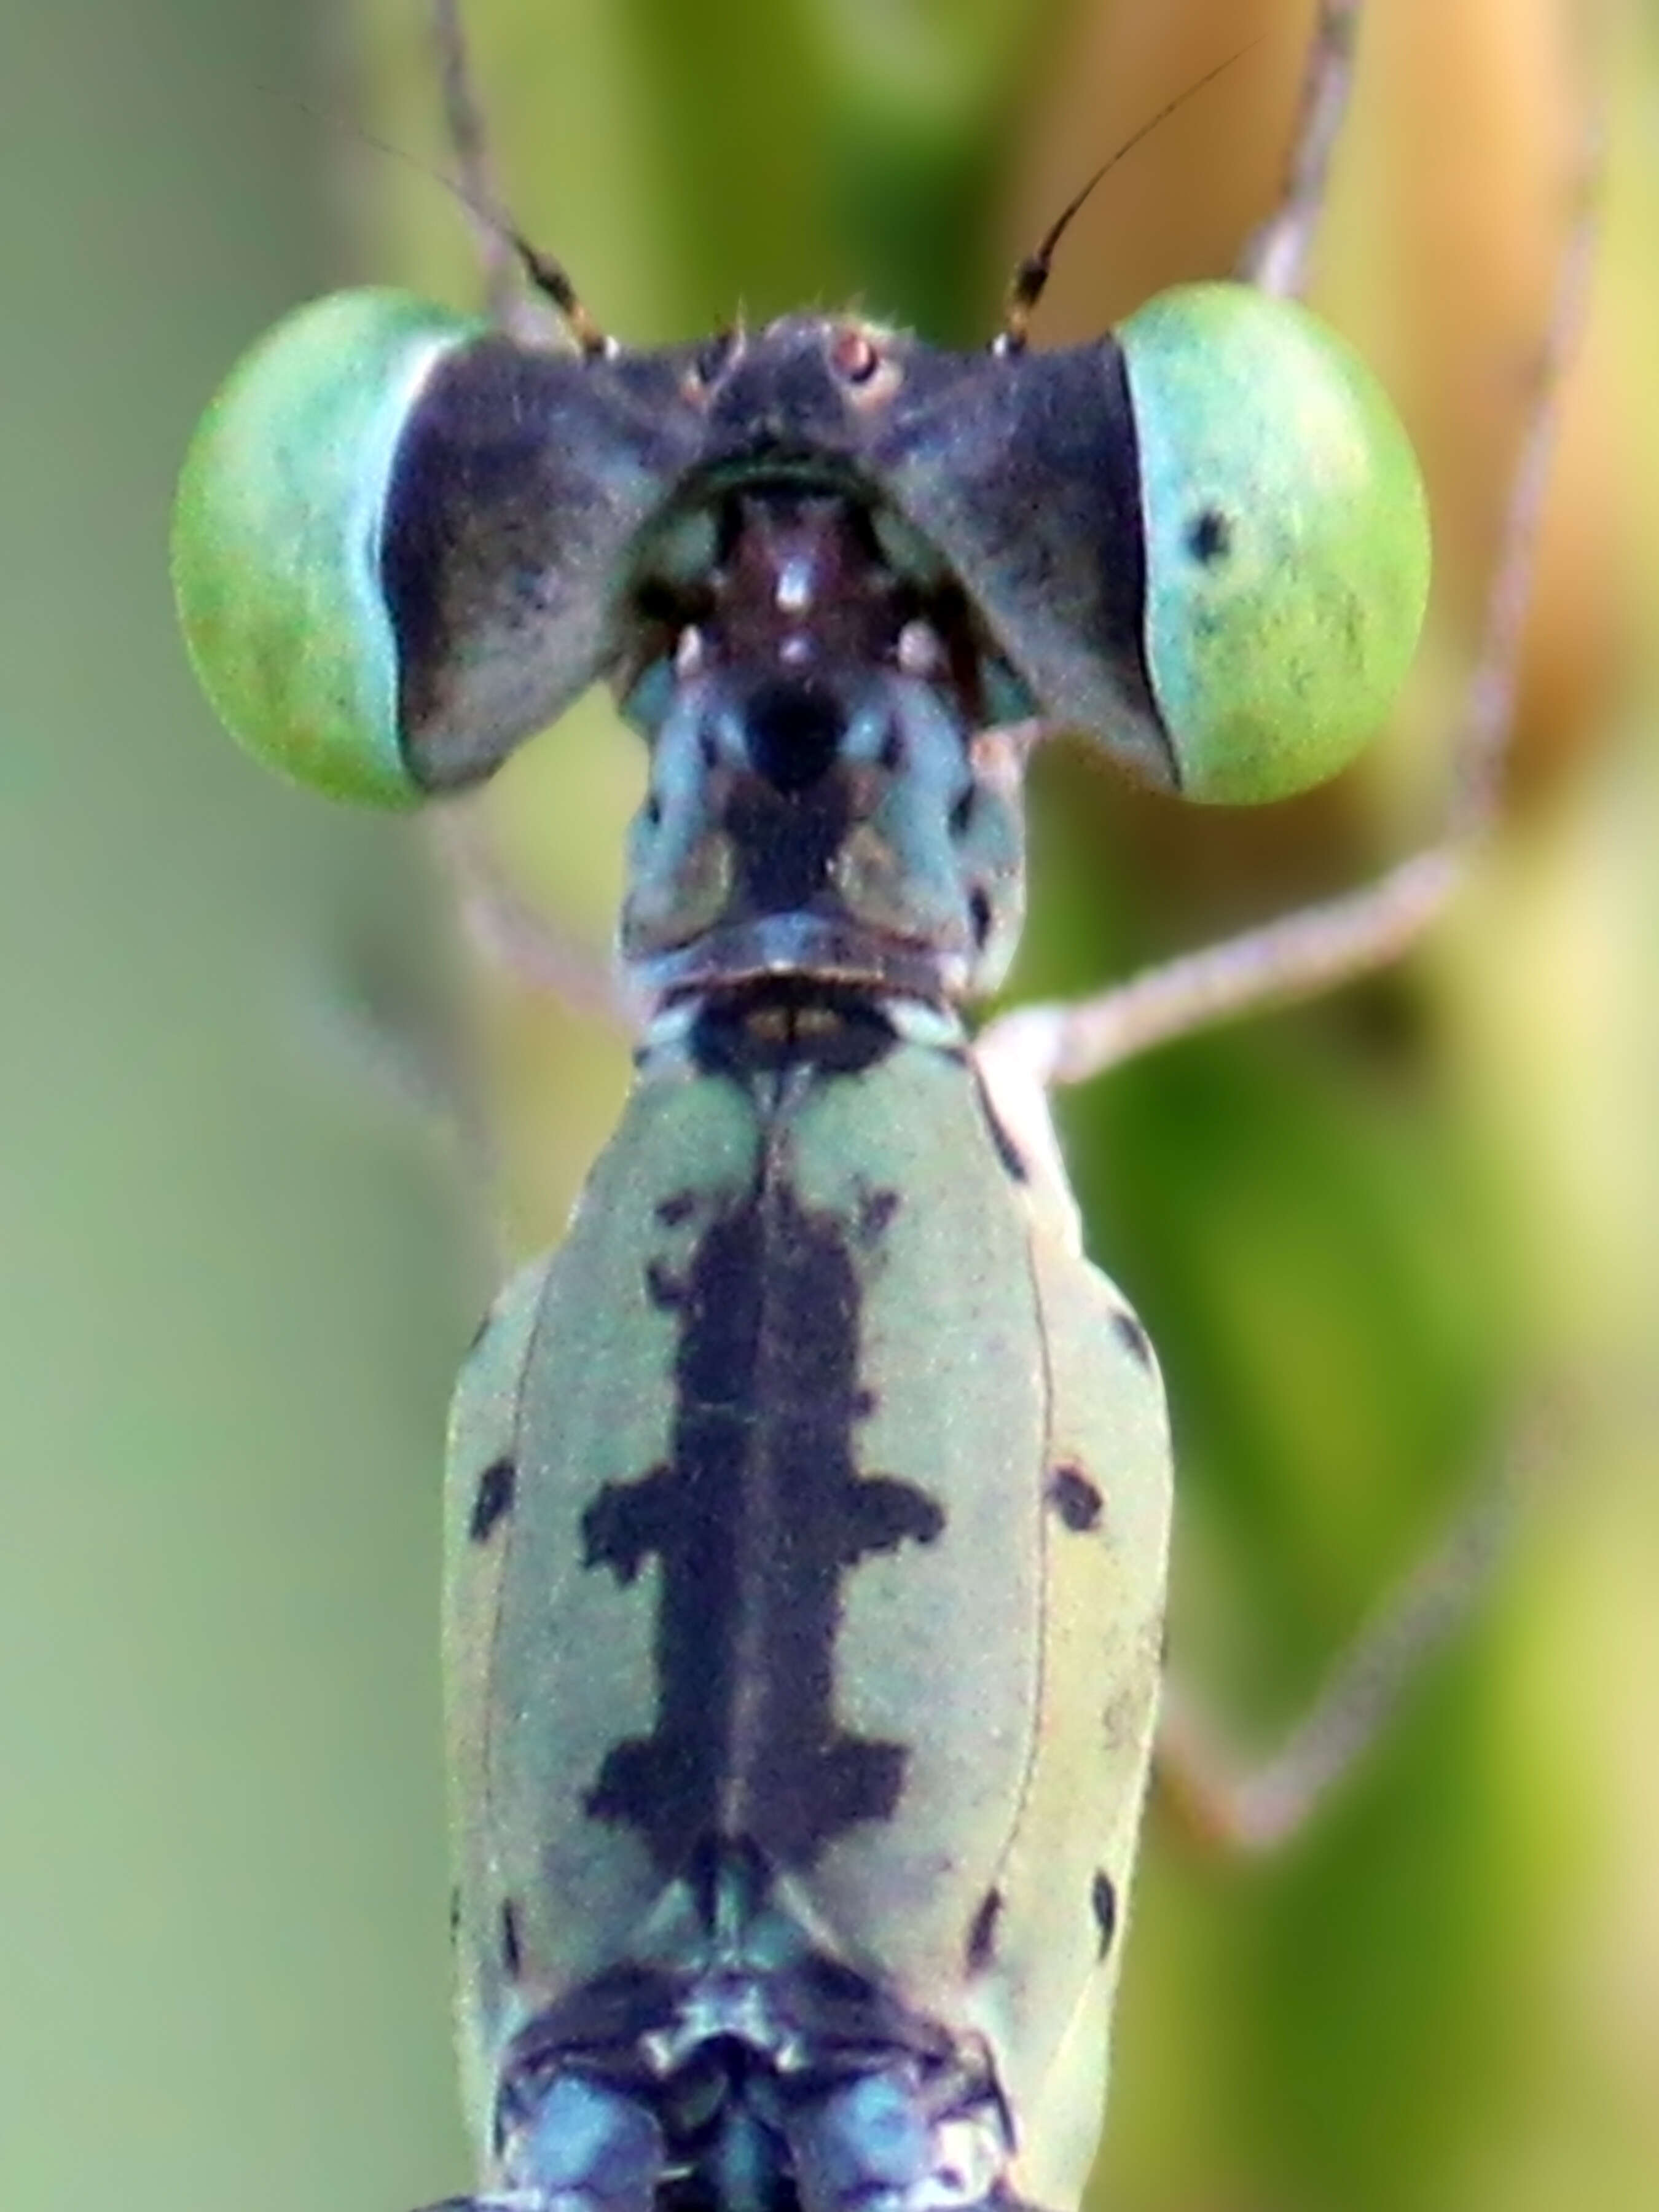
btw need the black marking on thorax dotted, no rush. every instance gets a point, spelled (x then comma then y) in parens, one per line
(492, 1499)
(1103, 1905)
(1012, 1159)
(1132, 1336)
(979, 1950)
(789, 1024)
(1075, 1498)
(511, 1943)
(755, 1520)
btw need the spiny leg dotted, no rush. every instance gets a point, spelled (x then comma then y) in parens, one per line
(512, 934)
(1276, 260)
(397, 1062)
(504, 250)
(1301, 954)
(1257, 1810)
(469, 141)
(401, 1064)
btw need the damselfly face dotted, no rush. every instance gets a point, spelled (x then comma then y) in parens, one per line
(818, 565)
(814, 1893)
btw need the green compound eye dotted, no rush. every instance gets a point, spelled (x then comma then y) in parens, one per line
(1287, 540)
(276, 536)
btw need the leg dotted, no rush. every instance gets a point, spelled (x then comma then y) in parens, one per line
(1312, 951)
(401, 1060)
(1259, 1810)
(512, 935)
(1276, 258)
(463, 119)
(398, 1062)
(499, 257)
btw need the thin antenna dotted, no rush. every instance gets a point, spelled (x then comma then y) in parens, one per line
(1031, 279)
(549, 278)
(500, 244)
(1276, 260)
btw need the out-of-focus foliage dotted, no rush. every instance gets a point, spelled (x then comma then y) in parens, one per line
(229, 1299)
(1367, 1237)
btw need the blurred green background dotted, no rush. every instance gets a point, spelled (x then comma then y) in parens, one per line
(1366, 1238)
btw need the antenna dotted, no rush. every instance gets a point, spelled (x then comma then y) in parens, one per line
(1031, 279)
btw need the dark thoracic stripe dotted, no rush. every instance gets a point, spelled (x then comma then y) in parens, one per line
(755, 1519)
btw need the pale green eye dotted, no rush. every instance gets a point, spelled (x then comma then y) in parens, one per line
(276, 537)
(1287, 540)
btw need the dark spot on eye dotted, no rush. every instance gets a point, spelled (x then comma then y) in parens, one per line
(652, 810)
(1210, 537)
(962, 811)
(1103, 1903)
(512, 1958)
(454, 1914)
(492, 1499)
(865, 1403)
(875, 1210)
(708, 752)
(982, 1932)
(1135, 1339)
(1075, 1498)
(671, 1212)
(892, 756)
(979, 915)
(480, 1331)
(661, 1287)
